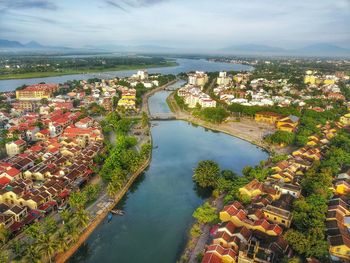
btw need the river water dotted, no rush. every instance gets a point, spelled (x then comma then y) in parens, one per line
(160, 204)
(184, 65)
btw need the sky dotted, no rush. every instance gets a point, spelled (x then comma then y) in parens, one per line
(203, 24)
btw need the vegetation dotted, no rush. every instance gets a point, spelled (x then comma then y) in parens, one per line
(281, 138)
(207, 173)
(307, 235)
(206, 214)
(215, 115)
(45, 66)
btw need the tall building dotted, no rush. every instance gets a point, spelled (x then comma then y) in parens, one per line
(199, 78)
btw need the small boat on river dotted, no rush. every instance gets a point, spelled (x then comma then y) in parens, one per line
(117, 212)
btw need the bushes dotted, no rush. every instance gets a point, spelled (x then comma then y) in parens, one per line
(281, 138)
(215, 115)
(206, 214)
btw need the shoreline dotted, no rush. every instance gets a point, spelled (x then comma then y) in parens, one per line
(224, 127)
(92, 71)
(63, 257)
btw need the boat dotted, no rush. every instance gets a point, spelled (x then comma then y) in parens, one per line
(155, 147)
(117, 212)
(109, 217)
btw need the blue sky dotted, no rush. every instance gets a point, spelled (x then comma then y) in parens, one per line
(206, 24)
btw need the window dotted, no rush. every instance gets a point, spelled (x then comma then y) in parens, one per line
(274, 218)
(283, 221)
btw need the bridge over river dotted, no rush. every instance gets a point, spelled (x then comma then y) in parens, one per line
(162, 116)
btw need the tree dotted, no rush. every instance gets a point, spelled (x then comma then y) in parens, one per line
(144, 120)
(206, 214)
(81, 218)
(4, 234)
(65, 215)
(47, 245)
(297, 240)
(62, 239)
(44, 101)
(77, 200)
(207, 173)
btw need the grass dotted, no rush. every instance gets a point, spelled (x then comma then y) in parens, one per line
(29, 75)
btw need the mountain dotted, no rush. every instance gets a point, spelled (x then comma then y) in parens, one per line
(4, 43)
(323, 48)
(33, 44)
(318, 49)
(252, 48)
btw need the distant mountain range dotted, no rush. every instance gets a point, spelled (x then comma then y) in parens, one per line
(319, 49)
(15, 44)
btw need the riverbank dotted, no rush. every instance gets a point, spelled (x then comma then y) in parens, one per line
(31, 75)
(245, 129)
(63, 257)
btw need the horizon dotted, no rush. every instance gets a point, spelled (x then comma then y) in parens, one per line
(183, 25)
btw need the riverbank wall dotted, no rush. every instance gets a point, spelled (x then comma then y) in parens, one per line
(63, 257)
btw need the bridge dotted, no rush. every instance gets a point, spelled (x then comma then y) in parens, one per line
(162, 116)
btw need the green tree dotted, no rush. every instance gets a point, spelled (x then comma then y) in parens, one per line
(207, 173)
(81, 218)
(206, 214)
(47, 245)
(77, 200)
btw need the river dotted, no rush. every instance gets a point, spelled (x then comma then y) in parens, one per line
(160, 204)
(184, 65)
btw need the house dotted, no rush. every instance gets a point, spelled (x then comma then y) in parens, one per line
(255, 188)
(84, 123)
(267, 117)
(345, 120)
(15, 147)
(342, 187)
(279, 211)
(218, 254)
(288, 123)
(239, 218)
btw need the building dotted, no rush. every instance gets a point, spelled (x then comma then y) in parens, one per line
(15, 147)
(223, 79)
(289, 123)
(36, 92)
(279, 211)
(267, 116)
(345, 120)
(198, 78)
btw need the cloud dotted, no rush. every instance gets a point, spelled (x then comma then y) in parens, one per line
(116, 5)
(28, 4)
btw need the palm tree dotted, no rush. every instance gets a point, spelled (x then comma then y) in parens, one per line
(65, 216)
(47, 245)
(4, 256)
(62, 239)
(77, 200)
(32, 254)
(4, 234)
(50, 225)
(72, 230)
(34, 230)
(18, 247)
(82, 218)
(112, 189)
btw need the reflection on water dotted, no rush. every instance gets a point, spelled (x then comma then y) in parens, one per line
(159, 206)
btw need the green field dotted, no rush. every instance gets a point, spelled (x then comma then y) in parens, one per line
(29, 75)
